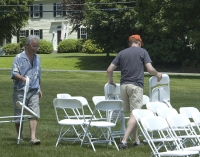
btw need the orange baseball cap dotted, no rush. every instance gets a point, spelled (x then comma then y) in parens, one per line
(136, 37)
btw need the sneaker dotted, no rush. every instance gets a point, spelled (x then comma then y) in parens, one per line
(35, 141)
(137, 144)
(122, 146)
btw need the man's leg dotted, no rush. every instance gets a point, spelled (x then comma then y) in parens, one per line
(33, 127)
(131, 127)
(17, 125)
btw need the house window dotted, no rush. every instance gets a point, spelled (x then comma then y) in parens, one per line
(22, 34)
(58, 10)
(83, 33)
(36, 10)
(38, 32)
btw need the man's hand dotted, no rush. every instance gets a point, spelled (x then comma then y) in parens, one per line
(159, 76)
(112, 83)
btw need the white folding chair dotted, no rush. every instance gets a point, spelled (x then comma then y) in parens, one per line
(165, 112)
(75, 130)
(196, 119)
(187, 135)
(83, 101)
(102, 127)
(188, 111)
(159, 91)
(112, 92)
(153, 106)
(160, 125)
(145, 100)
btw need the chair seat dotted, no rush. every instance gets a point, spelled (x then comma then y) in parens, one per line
(101, 124)
(70, 122)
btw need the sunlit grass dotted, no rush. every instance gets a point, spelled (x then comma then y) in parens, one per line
(185, 91)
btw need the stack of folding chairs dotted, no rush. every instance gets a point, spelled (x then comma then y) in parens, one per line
(167, 131)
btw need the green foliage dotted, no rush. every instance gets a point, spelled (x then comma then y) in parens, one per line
(67, 45)
(46, 47)
(110, 29)
(89, 47)
(22, 42)
(11, 20)
(10, 49)
(80, 43)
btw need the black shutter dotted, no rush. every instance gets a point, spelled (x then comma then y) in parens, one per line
(31, 10)
(41, 34)
(54, 10)
(31, 32)
(41, 10)
(18, 36)
(78, 33)
(27, 33)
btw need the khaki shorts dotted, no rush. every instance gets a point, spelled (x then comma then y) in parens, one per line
(131, 96)
(32, 101)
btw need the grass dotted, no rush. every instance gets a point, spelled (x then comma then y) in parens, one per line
(68, 61)
(185, 91)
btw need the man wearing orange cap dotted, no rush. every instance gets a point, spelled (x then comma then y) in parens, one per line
(131, 62)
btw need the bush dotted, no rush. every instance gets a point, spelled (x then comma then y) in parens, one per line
(79, 44)
(67, 45)
(46, 47)
(89, 47)
(12, 48)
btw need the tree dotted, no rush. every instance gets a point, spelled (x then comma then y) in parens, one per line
(74, 14)
(13, 16)
(111, 23)
(171, 30)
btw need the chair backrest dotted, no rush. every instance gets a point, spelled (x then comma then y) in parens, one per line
(188, 111)
(159, 91)
(63, 95)
(109, 105)
(155, 123)
(165, 112)
(112, 92)
(141, 113)
(178, 121)
(145, 100)
(153, 106)
(67, 103)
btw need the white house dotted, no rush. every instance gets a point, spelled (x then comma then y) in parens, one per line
(46, 21)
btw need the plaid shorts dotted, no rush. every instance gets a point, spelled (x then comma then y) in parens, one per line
(32, 101)
(131, 96)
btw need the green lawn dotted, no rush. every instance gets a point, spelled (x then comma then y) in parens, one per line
(185, 91)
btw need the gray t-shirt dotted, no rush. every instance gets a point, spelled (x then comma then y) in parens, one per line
(131, 62)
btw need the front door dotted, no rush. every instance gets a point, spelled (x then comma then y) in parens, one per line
(58, 36)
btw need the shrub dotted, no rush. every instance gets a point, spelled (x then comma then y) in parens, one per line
(89, 47)
(46, 47)
(67, 45)
(12, 48)
(79, 44)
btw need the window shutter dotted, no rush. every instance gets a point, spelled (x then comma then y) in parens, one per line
(41, 10)
(17, 36)
(78, 33)
(31, 10)
(41, 34)
(27, 33)
(31, 32)
(54, 10)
